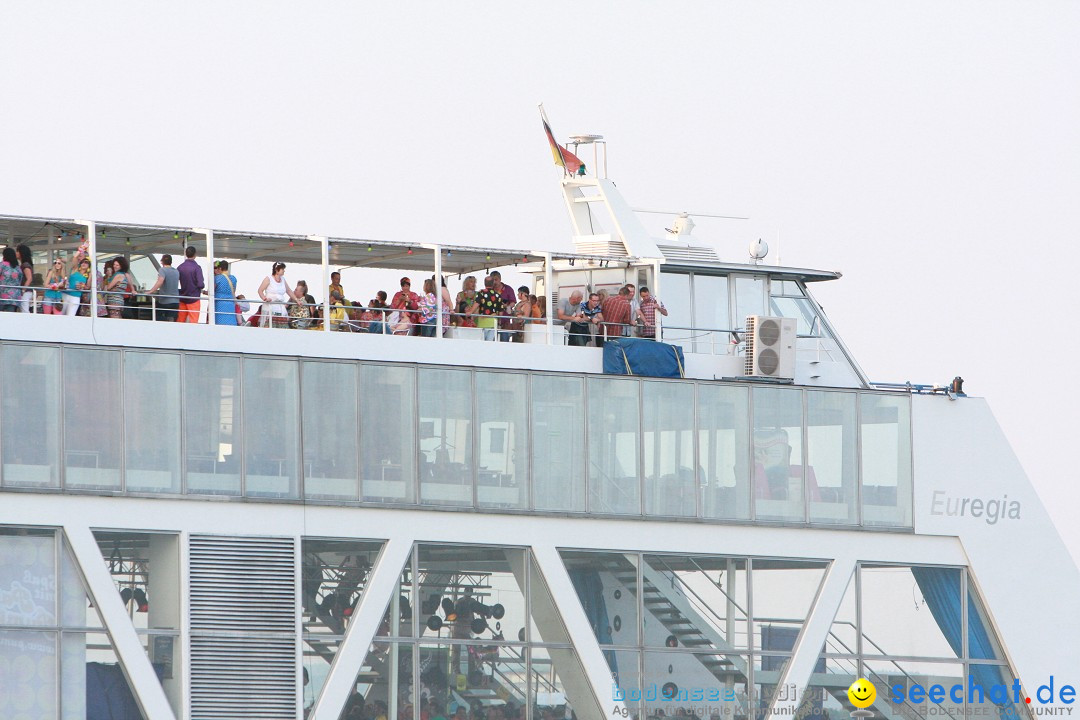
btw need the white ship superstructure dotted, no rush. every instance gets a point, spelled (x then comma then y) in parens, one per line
(214, 522)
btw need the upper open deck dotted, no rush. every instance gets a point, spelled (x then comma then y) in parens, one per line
(706, 300)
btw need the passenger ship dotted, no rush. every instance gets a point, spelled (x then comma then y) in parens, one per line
(215, 522)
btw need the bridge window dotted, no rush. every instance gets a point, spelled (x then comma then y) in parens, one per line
(272, 420)
(212, 425)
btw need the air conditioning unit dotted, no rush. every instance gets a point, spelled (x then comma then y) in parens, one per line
(770, 347)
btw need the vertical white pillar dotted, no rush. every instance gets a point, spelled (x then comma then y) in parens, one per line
(656, 294)
(438, 293)
(211, 316)
(324, 246)
(91, 236)
(548, 280)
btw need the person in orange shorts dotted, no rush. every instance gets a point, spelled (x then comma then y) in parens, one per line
(191, 287)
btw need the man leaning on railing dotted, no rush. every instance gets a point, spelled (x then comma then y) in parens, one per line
(616, 311)
(167, 287)
(571, 315)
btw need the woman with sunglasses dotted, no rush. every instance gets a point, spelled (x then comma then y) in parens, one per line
(55, 281)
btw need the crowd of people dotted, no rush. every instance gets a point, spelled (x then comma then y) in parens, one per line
(491, 306)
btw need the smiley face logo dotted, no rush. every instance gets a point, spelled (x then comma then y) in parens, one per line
(862, 693)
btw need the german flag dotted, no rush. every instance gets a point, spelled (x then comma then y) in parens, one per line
(567, 160)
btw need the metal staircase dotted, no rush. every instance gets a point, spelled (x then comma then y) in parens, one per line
(682, 618)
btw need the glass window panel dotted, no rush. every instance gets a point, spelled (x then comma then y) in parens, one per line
(777, 443)
(212, 433)
(558, 452)
(711, 314)
(30, 416)
(995, 703)
(668, 445)
(28, 685)
(446, 442)
(696, 602)
(749, 298)
(886, 674)
(768, 671)
(271, 422)
(798, 308)
(90, 669)
(479, 589)
(388, 433)
(614, 443)
(695, 685)
(145, 568)
(982, 641)
(330, 430)
(452, 674)
(788, 288)
(628, 687)
(384, 686)
(886, 459)
(318, 655)
(333, 575)
(93, 415)
(503, 472)
(783, 593)
(559, 687)
(724, 451)
(152, 421)
(826, 694)
(913, 612)
(606, 585)
(676, 327)
(831, 447)
(28, 579)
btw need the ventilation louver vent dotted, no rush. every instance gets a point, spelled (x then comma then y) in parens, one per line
(243, 628)
(690, 253)
(770, 347)
(605, 248)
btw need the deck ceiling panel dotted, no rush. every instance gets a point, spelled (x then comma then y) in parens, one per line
(136, 239)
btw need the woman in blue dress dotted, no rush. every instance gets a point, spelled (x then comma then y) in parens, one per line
(224, 295)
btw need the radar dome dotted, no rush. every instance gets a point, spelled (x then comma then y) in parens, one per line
(759, 249)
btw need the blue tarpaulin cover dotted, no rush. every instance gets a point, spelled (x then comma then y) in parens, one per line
(633, 356)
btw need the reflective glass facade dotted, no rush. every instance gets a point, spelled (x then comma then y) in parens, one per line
(342, 432)
(476, 627)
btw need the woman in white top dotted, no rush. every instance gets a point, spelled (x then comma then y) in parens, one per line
(275, 293)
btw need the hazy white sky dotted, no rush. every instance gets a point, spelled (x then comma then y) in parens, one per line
(930, 151)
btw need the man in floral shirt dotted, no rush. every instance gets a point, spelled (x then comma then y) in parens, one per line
(490, 303)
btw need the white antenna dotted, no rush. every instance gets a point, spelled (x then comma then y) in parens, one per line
(688, 212)
(778, 256)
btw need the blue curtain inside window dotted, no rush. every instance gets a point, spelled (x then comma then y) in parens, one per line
(590, 591)
(941, 589)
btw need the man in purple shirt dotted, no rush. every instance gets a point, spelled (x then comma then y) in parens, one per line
(191, 287)
(509, 298)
